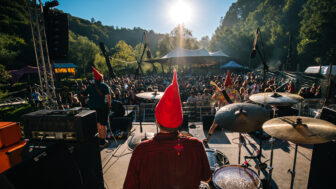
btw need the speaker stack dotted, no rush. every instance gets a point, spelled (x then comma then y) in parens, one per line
(62, 152)
(322, 166)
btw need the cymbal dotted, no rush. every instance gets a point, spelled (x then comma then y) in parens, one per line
(298, 129)
(241, 117)
(275, 98)
(186, 134)
(150, 95)
(136, 139)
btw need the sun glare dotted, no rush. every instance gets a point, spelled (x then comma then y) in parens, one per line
(180, 12)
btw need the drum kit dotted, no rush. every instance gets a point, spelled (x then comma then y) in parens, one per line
(247, 117)
(138, 138)
(155, 96)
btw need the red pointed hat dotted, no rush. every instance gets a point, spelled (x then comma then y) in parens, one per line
(98, 76)
(168, 111)
(227, 79)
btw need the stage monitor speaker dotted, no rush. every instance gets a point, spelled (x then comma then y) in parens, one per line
(52, 168)
(60, 125)
(323, 165)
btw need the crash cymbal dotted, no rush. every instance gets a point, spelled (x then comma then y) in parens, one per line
(136, 139)
(275, 98)
(241, 117)
(186, 134)
(303, 130)
(150, 95)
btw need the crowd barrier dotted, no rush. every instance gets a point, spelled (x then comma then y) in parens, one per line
(145, 112)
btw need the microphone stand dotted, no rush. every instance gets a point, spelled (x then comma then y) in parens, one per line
(256, 50)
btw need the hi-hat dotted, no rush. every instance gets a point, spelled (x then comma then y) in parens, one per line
(136, 139)
(150, 95)
(275, 98)
(302, 130)
(241, 117)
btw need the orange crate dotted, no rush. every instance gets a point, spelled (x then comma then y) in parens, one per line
(11, 155)
(10, 133)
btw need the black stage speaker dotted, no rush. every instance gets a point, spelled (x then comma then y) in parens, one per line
(59, 164)
(322, 166)
(60, 125)
(88, 159)
(53, 167)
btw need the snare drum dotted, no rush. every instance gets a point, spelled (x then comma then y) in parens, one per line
(216, 158)
(236, 177)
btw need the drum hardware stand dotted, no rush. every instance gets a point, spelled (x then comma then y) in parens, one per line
(270, 168)
(140, 117)
(260, 149)
(292, 172)
(241, 142)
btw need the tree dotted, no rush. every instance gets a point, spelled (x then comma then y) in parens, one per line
(182, 37)
(4, 76)
(164, 46)
(82, 52)
(204, 42)
(317, 31)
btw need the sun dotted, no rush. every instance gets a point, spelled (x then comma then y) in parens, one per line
(180, 12)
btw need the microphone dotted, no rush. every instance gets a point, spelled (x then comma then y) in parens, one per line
(254, 50)
(253, 53)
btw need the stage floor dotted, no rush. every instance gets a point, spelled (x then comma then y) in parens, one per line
(116, 157)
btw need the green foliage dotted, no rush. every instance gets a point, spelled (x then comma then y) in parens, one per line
(82, 52)
(4, 76)
(317, 31)
(96, 32)
(309, 23)
(180, 36)
(15, 36)
(10, 48)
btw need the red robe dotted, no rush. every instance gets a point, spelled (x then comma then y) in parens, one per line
(156, 164)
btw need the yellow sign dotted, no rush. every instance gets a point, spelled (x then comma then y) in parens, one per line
(65, 70)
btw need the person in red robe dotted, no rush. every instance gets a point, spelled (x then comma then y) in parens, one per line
(169, 160)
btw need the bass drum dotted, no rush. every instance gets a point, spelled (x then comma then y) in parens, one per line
(236, 177)
(216, 158)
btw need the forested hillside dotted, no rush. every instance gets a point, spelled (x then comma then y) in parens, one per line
(311, 24)
(111, 35)
(16, 49)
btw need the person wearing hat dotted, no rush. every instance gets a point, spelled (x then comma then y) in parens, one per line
(169, 160)
(232, 93)
(99, 100)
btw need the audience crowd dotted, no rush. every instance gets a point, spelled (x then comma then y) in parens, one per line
(195, 88)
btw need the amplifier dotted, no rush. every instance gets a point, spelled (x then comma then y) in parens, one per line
(52, 167)
(60, 125)
(322, 165)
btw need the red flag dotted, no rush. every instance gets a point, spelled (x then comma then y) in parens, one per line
(227, 79)
(98, 76)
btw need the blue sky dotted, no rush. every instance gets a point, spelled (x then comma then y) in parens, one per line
(150, 14)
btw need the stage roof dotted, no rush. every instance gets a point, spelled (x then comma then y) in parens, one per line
(65, 65)
(180, 56)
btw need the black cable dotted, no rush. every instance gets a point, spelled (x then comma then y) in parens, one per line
(116, 150)
(112, 163)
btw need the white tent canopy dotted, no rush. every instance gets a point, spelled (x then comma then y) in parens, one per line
(322, 70)
(180, 52)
